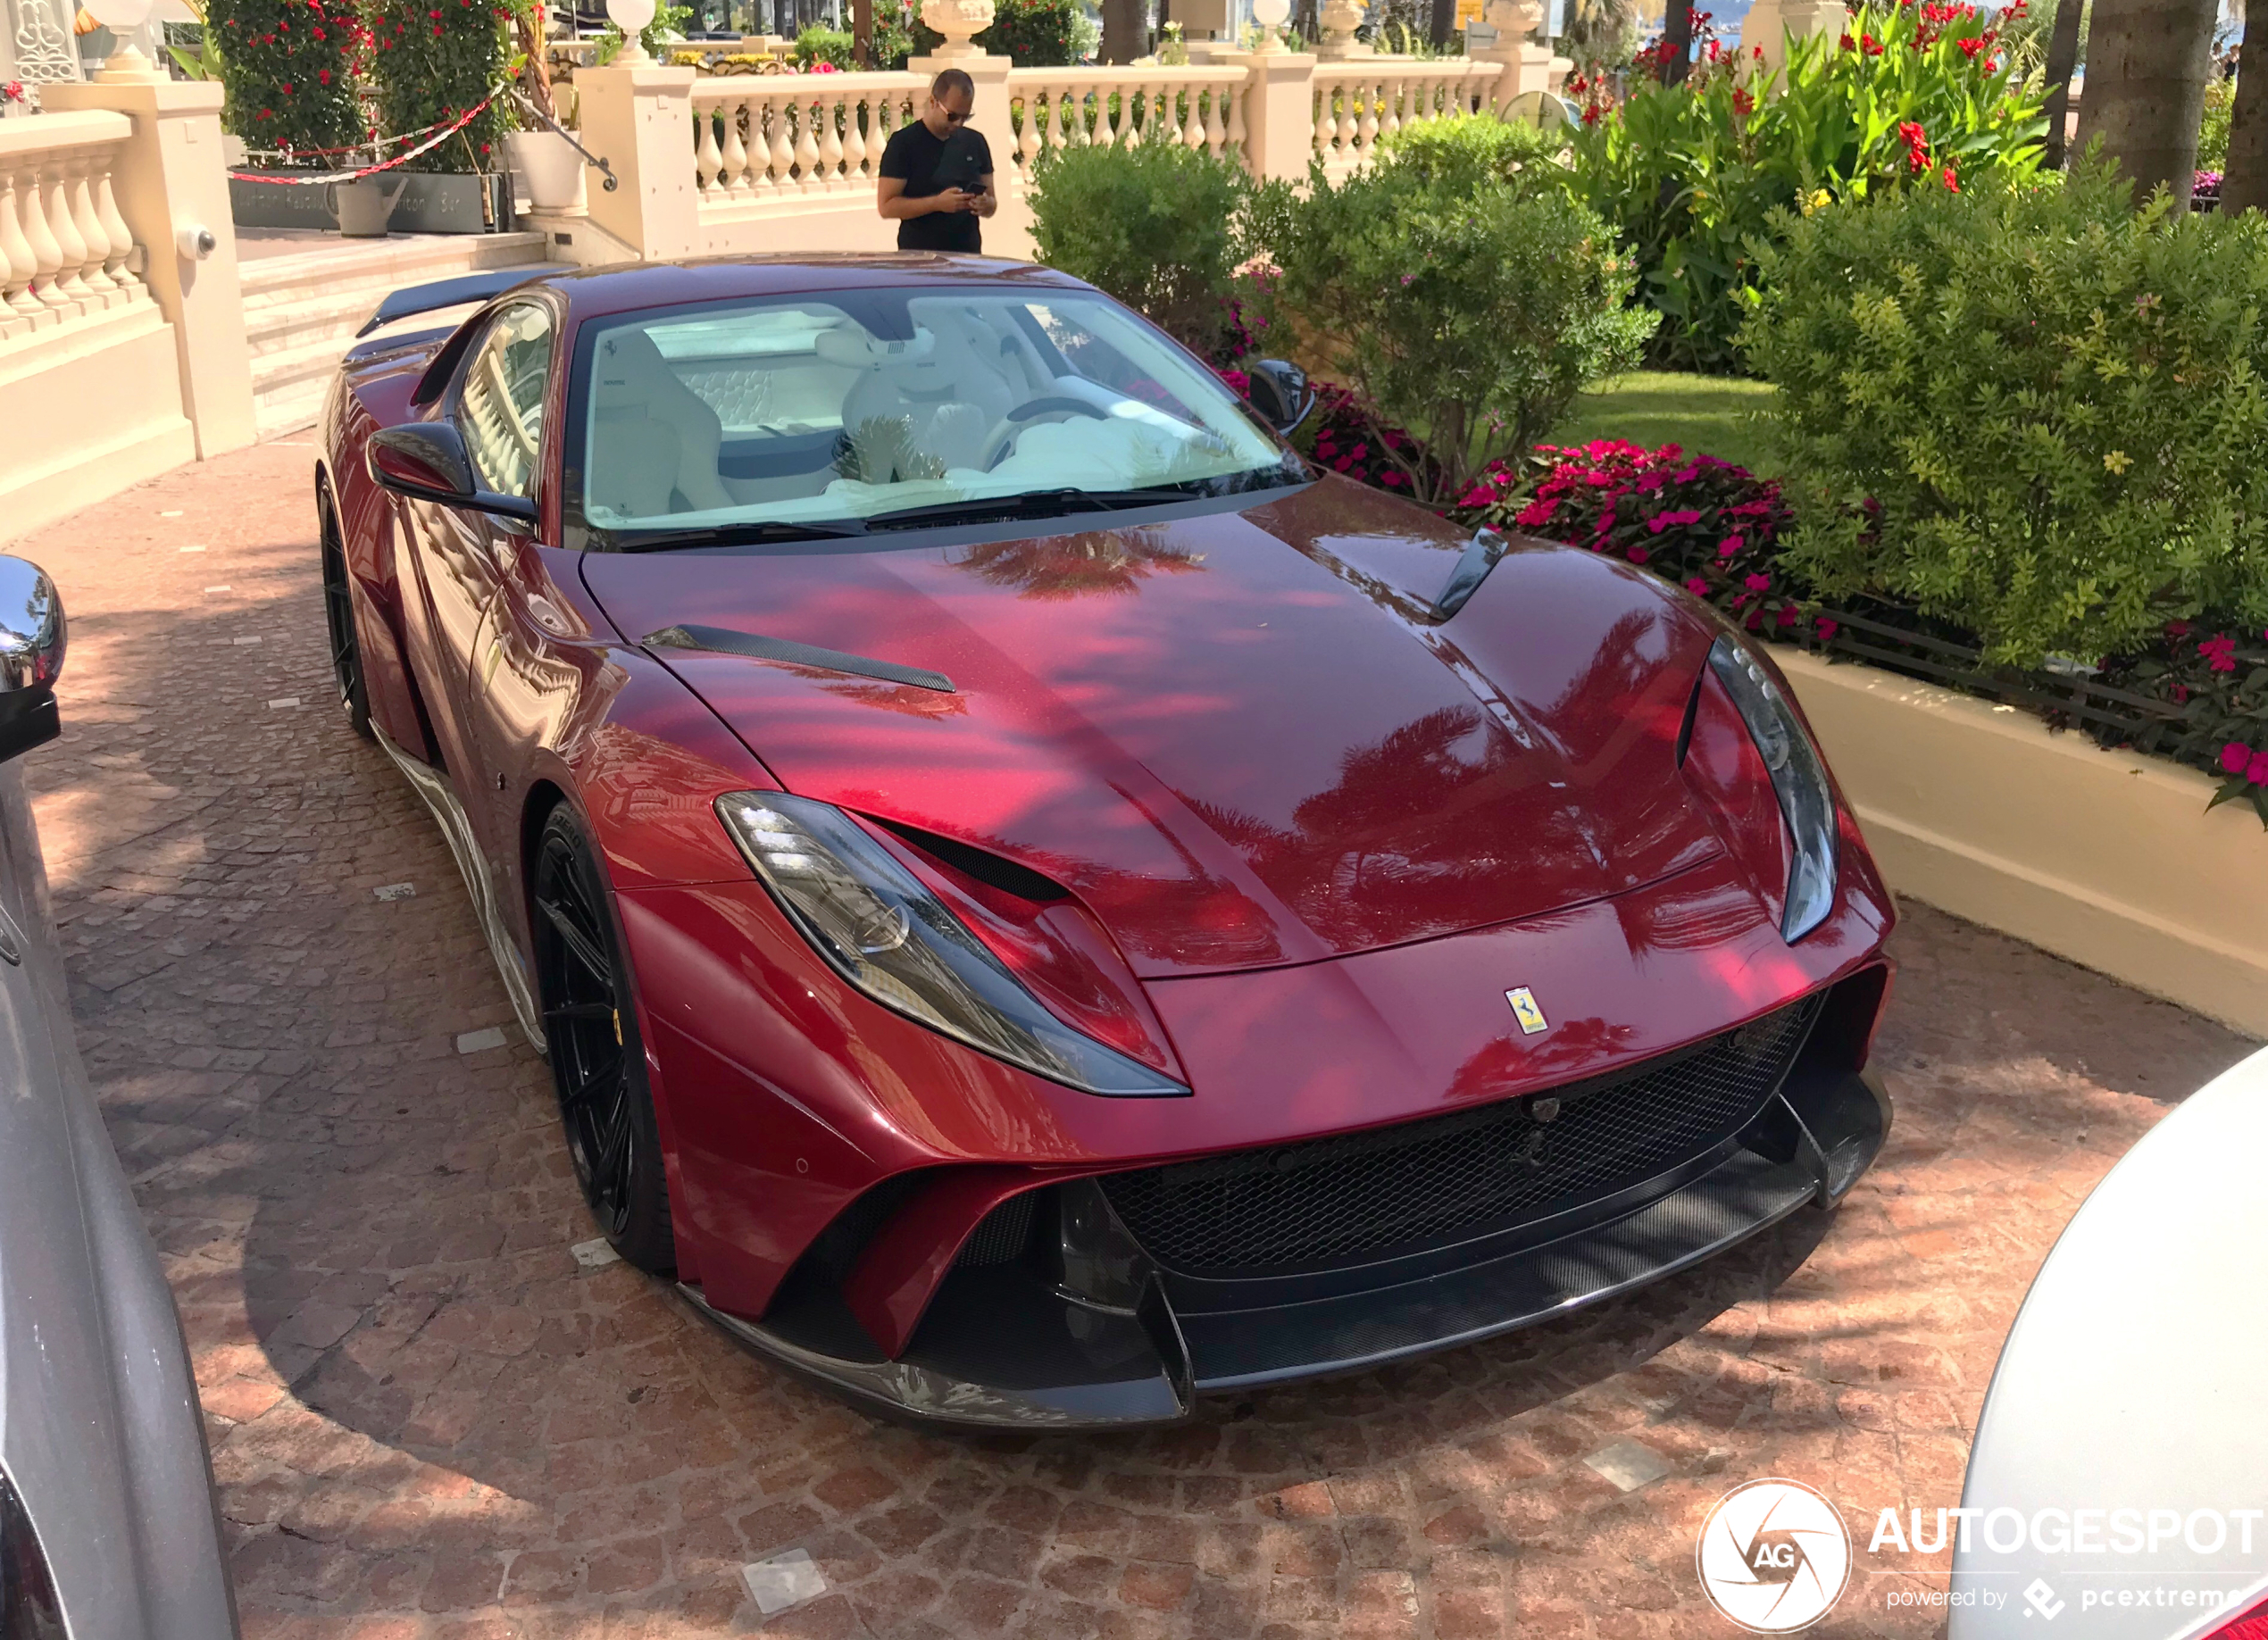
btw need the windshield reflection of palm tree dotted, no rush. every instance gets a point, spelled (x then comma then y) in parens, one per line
(1093, 561)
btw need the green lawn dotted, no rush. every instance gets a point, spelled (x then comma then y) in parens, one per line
(1709, 415)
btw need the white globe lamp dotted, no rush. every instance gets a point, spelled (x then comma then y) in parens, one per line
(1270, 15)
(630, 16)
(123, 17)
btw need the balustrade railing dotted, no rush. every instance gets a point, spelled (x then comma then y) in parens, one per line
(763, 139)
(64, 250)
(1357, 103)
(1195, 107)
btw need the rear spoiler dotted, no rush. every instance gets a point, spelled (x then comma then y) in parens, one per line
(456, 292)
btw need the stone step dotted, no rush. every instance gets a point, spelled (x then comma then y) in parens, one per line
(392, 262)
(302, 308)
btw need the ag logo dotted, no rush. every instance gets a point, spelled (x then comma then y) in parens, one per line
(1773, 1556)
(1525, 1009)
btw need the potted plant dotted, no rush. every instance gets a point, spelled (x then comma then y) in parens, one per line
(549, 167)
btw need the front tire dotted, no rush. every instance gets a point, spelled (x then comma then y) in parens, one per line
(339, 616)
(597, 1058)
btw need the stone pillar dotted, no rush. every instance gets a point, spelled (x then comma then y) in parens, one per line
(1279, 114)
(1770, 22)
(1520, 67)
(170, 179)
(639, 120)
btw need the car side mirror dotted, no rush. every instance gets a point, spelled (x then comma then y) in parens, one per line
(427, 460)
(1279, 392)
(31, 657)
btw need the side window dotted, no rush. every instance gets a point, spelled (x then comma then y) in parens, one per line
(501, 409)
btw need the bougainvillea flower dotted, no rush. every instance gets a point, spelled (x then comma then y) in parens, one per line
(2234, 756)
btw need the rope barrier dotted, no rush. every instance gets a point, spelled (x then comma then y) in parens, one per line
(440, 134)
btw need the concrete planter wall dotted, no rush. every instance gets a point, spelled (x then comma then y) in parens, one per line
(2105, 858)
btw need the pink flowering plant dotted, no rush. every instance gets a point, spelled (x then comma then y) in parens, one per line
(1704, 524)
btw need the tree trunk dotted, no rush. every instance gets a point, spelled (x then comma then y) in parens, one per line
(862, 33)
(2063, 58)
(1444, 21)
(530, 26)
(1123, 31)
(2245, 185)
(1677, 42)
(2147, 61)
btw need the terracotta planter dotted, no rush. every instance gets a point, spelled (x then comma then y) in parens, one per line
(549, 167)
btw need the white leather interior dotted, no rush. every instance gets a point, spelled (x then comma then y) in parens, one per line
(651, 435)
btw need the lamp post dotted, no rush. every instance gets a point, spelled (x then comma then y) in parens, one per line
(126, 65)
(630, 16)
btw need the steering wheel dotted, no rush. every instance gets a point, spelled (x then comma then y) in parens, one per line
(1005, 430)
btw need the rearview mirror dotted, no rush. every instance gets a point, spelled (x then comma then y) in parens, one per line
(31, 657)
(1279, 392)
(427, 460)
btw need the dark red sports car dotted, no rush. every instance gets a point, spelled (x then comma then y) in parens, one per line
(1042, 905)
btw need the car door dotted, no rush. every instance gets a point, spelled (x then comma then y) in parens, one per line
(463, 554)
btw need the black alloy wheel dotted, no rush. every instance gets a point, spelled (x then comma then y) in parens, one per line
(598, 1060)
(338, 615)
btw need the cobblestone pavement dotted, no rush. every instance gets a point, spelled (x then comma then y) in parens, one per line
(429, 1419)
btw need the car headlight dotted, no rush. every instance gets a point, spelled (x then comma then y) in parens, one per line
(1798, 778)
(876, 925)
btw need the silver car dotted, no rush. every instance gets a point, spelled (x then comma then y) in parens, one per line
(107, 1525)
(2118, 1484)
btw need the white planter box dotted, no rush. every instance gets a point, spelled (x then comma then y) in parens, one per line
(2106, 858)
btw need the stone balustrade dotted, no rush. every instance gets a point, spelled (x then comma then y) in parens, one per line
(720, 164)
(1194, 107)
(762, 137)
(65, 251)
(1359, 101)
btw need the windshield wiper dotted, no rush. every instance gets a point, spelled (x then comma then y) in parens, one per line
(733, 535)
(1030, 504)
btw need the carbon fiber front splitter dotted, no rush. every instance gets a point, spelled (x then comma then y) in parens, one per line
(998, 1351)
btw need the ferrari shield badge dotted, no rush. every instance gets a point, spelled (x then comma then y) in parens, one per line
(1531, 1019)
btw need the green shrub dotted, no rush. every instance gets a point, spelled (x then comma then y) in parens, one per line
(2029, 411)
(1692, 172)
(1160, 227)
(1472, 316)
(1038, 34)
(1472, 151)
(2213, 132)
(820, 43)
(289, 74)
(434, 62)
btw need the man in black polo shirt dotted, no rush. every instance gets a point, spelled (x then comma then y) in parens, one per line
(937, 173)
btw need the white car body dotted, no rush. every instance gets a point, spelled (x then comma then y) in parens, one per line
(2135, 1378)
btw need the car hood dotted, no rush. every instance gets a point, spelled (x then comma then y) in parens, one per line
(1236, 733)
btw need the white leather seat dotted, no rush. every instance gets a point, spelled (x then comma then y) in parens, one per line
(654, 441)
(949, 395)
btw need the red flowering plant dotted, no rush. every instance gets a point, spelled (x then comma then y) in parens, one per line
(1918, 93)
(1705, 524)
(432, 60)
(289, 70)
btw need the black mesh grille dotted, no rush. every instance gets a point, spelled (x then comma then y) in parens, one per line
(1002, 1235)
(1328, 1202)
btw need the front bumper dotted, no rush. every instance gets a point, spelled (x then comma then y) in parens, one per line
(1002, 1346)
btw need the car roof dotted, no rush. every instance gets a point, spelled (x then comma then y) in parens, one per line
(622, 288)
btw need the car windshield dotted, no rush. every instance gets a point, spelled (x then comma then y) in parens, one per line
(877, 408)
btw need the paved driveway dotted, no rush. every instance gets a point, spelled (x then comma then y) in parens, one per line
(428, 1419)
